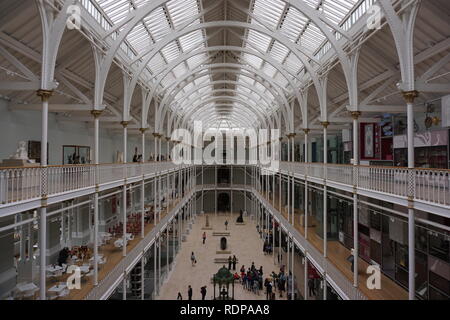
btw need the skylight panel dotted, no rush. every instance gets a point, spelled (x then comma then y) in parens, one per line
(182, 11)
(253, 60)
(281, 80)
(139, 38)
(195, 61)
(312, 38)
(293, 64)
(269, 70)
(269, 11)
(179, 70)
(167, 81)
(170, 52)
(258, 40)
(279, 51)
(293, 24)
(157, 63)
(115, 10)
(157, 24)
(192, 39)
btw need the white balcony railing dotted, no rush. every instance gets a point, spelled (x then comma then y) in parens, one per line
(22, 184)
(430, 185)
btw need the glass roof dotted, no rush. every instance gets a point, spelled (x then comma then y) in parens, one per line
(165, 68)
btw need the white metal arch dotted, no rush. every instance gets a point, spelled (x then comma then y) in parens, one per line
(221, 90)
(229, 90)
(295, 49)
(239, 68)
(219, 82)
(186, 56)
(261, 117)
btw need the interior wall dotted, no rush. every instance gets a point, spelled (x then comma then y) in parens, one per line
(25, 125)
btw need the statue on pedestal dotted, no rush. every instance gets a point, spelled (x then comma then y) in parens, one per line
(119, 157)
(21, 152)
(223, 243)
(240, 219)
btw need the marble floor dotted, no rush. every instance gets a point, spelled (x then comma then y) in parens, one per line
(242, 242)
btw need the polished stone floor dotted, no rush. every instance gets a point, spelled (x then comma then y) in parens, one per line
(242, 242)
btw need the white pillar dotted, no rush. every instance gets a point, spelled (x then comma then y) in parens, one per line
(306, 182)
(96, 114)
(355, 115)
(44, 95)
(143, 187)
(124, 190)
(325, 189)
(409, 98)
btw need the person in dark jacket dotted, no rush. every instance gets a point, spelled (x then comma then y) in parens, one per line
(189, 293)
(230, 261)
(203, 292)
(63, 256)
(234, 261)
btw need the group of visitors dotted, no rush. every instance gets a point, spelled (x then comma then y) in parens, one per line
(252, 279)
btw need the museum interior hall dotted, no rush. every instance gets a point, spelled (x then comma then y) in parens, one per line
(225, 150)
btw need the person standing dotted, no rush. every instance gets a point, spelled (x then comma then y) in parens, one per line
(268, 286)
(311, 287)
(204, 237)
(193, 260)
(234, 262)
(230, 261)
(189, 293)
(203, 292)
(226, 224)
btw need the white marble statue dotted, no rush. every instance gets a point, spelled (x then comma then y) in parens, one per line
(119, 157)
(21, 152)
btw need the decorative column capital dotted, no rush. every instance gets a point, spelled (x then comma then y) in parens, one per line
(409, 96)
(142, 130)
(306, 130)
(280, 138)
(155, 134)
(355, 114)
(167, 139)
(124, 123)
(325, 124)
(44, 94)
(96, 113)
(291, 135)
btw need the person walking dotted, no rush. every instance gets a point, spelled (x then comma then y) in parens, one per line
(226, 224)
(203, 292)
(189, 292)
(204, 237)
(234, 262)
(230, 261)
(193, 260)
(179, 297)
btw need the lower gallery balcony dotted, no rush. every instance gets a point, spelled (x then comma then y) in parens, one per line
(338, 254)
(78, 239)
